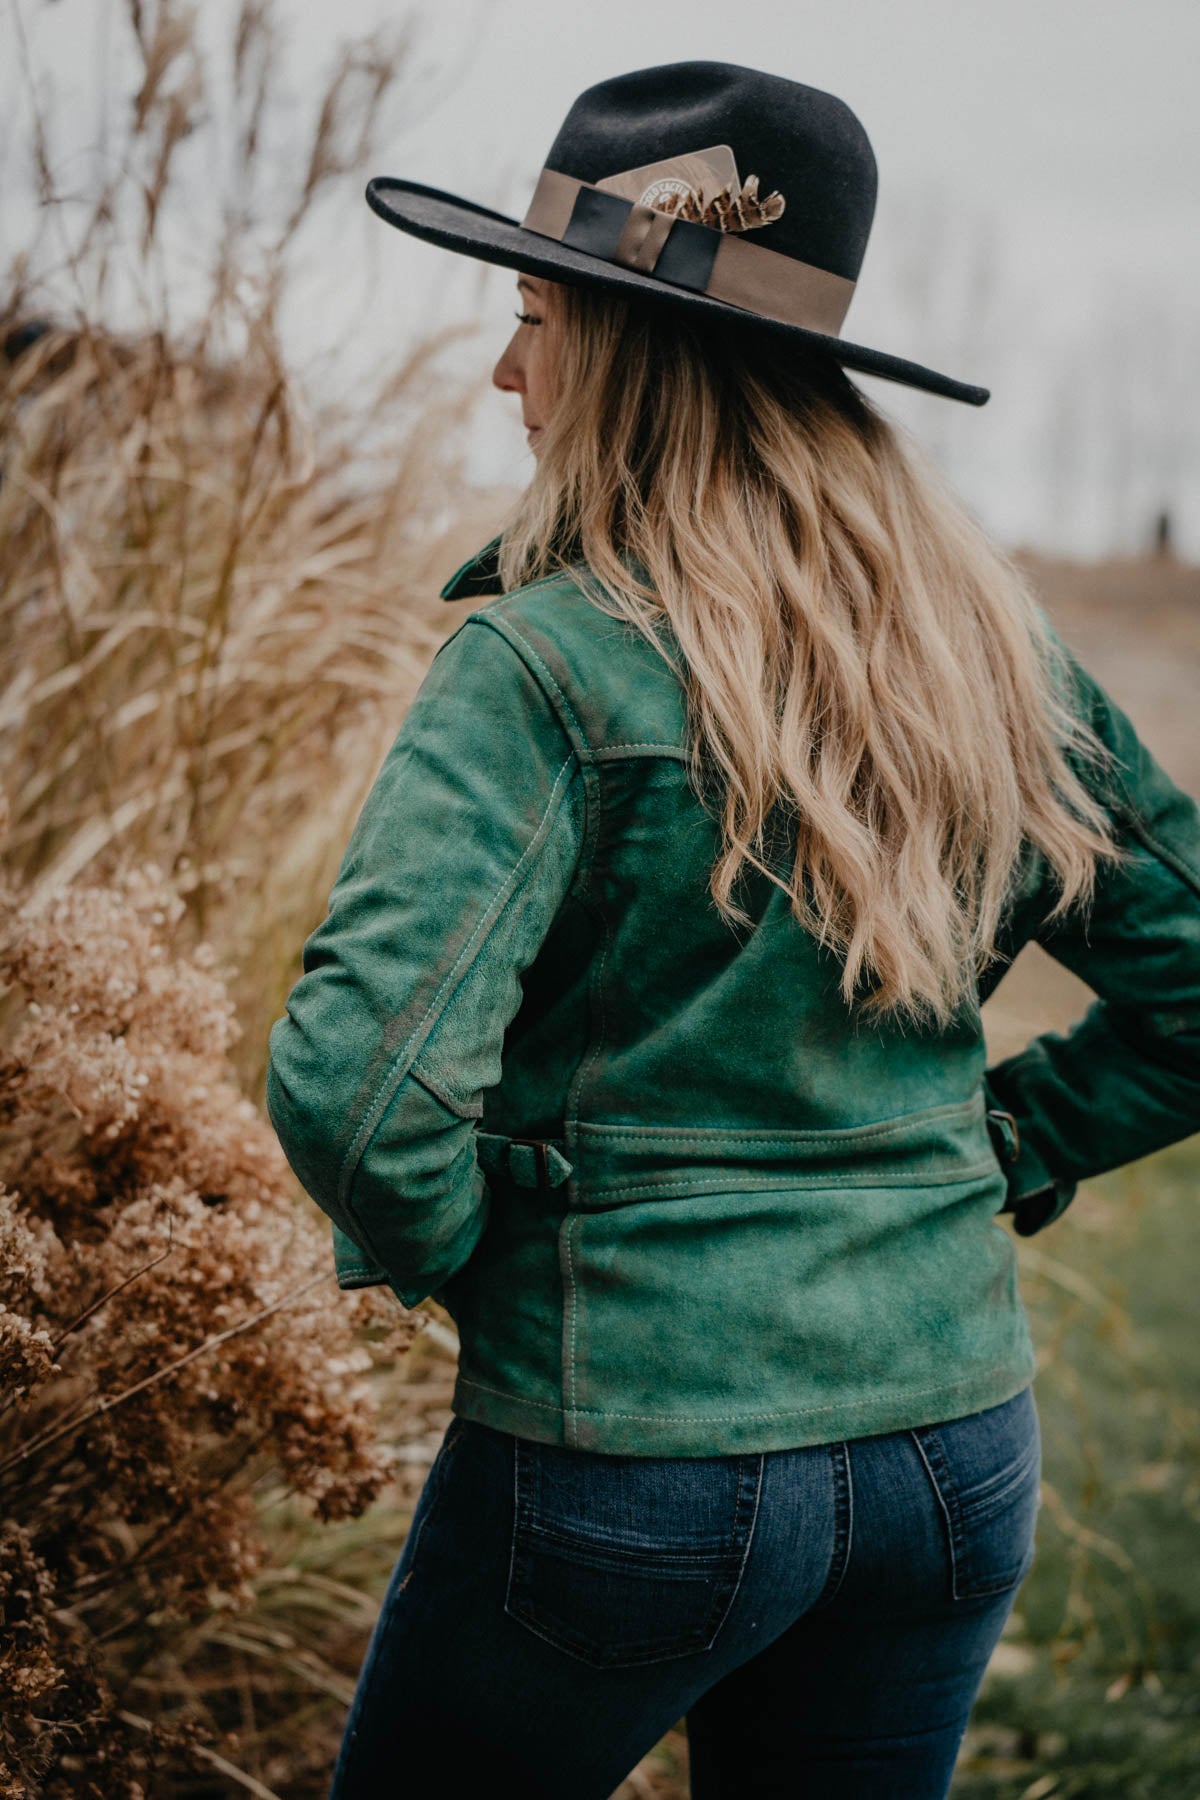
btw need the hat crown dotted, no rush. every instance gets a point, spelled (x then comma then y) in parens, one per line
(806, 144)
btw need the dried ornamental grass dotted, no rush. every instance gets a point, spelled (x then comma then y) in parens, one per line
(218, 591)
(204, 646)
(166, 1339)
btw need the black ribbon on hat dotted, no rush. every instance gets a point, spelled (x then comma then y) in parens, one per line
(638, 237)
(701, 258)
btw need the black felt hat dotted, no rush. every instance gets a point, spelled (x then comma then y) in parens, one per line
(704, 185)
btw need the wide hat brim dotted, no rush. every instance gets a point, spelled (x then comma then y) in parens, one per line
(472, 230)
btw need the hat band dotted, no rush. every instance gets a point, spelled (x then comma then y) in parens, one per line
(687, 255)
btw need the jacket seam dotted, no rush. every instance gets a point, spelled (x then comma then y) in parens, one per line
(592, 827)
(570, 1125)
(638, 752)
(573, 1123)
(800, 1412)
(571, 721)
(702, 1135)
(458, 1108)
(571, 1298)
(399, 1064)
(1166, 855)
(571, 1315)
(506, 628)
(740, 1184)
(529, 587)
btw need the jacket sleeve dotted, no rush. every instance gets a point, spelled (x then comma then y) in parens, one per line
(462, 855)
(1125, 1080)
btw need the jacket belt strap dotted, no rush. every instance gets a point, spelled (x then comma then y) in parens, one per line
(528, 1162)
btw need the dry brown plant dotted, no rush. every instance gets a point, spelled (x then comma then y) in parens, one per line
(167, 1342)
(217, 599)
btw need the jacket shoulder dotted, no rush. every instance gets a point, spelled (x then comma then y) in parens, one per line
(616, 694)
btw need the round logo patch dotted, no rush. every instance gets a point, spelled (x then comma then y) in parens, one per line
(658, 190)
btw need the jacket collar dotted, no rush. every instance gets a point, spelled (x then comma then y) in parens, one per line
(480, 574)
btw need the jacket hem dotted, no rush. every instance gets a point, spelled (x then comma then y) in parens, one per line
(756, 1428)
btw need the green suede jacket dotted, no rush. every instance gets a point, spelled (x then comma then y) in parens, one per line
(678, 1199)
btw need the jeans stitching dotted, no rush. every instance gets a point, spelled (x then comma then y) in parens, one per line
(761, 1461)
(648, 1559)
(643, 1652)
(721, 1607)
(447, 1450)
(361, 1702)
(943, 1499)
(843, 1503)
(512, 1547)
(933, 1455)
(987, 1499)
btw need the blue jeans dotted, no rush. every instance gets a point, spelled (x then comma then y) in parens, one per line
(822, 1616)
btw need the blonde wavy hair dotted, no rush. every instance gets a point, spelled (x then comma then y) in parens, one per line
(862, 665)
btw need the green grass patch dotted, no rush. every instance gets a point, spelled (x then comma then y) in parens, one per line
(1094, 1690)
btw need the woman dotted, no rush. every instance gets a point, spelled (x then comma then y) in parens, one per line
(644, 1034)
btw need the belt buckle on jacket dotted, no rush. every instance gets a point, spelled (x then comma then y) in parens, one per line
(1002, 1128)
(540, 1156)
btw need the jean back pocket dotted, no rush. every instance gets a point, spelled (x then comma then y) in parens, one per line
(628, 1559)
(986, 1472)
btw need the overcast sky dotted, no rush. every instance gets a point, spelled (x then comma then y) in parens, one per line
(1037, 229)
